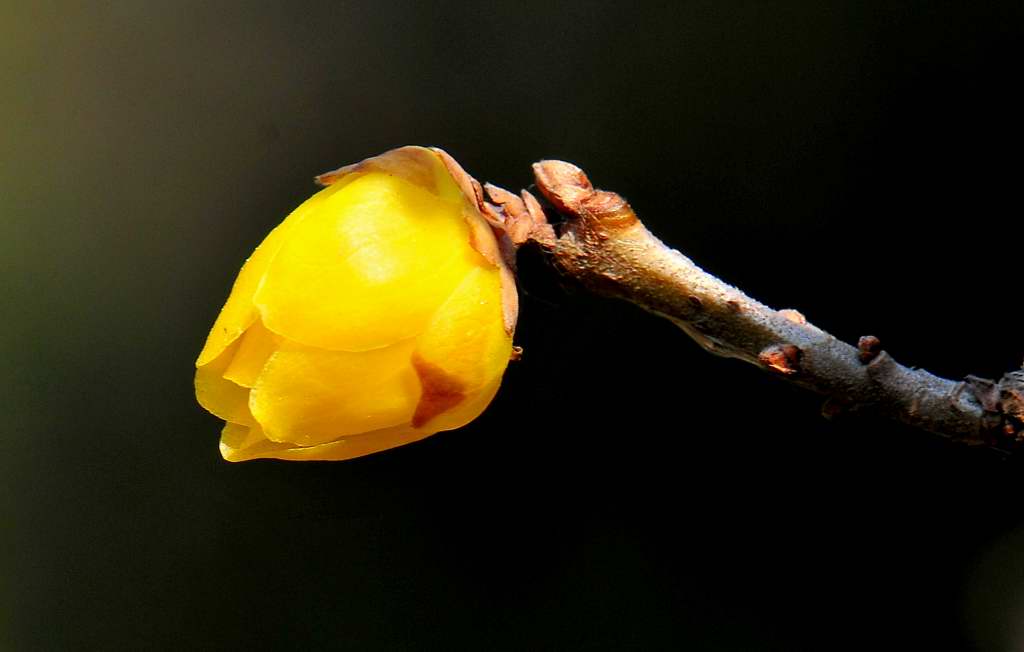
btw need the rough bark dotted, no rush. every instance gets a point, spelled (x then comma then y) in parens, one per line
(604, 246)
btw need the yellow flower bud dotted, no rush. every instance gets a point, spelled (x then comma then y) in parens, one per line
(378, 313)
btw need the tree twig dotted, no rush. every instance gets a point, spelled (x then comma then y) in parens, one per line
(604, 246)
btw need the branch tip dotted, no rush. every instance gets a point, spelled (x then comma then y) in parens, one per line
(571, 193)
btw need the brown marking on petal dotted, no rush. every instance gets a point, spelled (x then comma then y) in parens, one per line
(441, 391)
(327, 178)
(410, 163)
(509, 300)
(481, 238)
(468, 185)
(478, 191)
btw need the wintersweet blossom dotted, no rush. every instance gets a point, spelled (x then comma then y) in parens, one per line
(379, 312)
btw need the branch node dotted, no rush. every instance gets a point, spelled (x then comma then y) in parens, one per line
(985, 391)
(794, 316)
(868, 348)
(781, 358)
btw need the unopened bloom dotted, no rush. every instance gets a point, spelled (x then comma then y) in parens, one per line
(378, 313)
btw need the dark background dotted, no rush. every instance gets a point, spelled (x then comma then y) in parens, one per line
(857, 161)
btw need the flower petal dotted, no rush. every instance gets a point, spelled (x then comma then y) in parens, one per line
(309, 396)
(236, 436)
(342, 449)
(368, 268)
(254, 349)
(239, 312)
(465, 346)
(355, 446)
(428, 168)
(468, 409)
(239, 443)
(222, 397)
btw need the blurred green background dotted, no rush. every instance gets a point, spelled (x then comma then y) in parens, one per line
(857, 161)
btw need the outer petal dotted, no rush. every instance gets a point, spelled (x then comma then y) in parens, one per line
(482, 234)
(308, 396)
(239, 312)
(236, 436)
(240, 443)
(368, 268)
(254, 349)
(222, 397)
(427, 168)
(464, 348)
(467, 410)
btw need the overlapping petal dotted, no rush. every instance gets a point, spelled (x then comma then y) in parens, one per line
(254, 349)
(311, 396)
(239, 312)
(369, 269)
(378, 313)
(220, 396)
(241, 443)
(464, 346)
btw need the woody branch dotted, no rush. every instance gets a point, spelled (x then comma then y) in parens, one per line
(603, 245)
